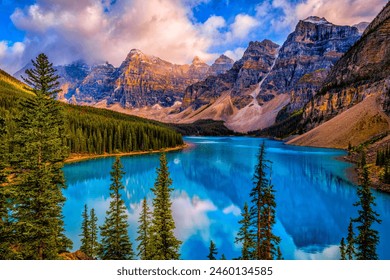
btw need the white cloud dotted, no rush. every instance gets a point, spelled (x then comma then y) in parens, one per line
(11, 54)
(194, 219)
(235, 54)
(232, 209)
(342, 12)
(97, 31)
(69, 30)
(242, 26)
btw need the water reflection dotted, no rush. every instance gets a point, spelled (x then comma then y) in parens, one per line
(212, 181)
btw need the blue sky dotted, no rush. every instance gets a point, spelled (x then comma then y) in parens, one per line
(174, 30)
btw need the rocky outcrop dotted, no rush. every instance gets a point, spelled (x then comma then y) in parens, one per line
(221, 65)
(148, 80)
(244, 74)
(78, 255)
(363, 71)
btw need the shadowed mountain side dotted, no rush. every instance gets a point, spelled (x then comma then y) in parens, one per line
(353, 126)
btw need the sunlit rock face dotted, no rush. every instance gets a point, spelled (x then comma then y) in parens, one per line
(363, 71)
(305, 59)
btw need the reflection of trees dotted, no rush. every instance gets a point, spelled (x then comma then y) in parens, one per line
(312, 203)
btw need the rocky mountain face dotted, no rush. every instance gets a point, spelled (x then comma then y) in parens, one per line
(305, 59)
(141, 80)
(244, 74)
(221, 65)
(280, 80)
(363, 71)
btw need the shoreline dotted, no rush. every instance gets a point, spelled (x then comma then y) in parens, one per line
(73, 158)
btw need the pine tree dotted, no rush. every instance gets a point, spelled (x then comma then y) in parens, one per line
(367, 238)
(38, 155)
(212, 251)
(342, 249)
(116, 243)
(279, 255)
(165, 246)
(5, 225)
(269, 245)
(144, 232)
(86, 233)
(245, 235)
(350, 250)
(223, 257)
(263, 211)
(93, 230)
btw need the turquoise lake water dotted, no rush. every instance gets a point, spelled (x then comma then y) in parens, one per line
(212, 181)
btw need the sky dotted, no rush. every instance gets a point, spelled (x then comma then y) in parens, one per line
(174, 30)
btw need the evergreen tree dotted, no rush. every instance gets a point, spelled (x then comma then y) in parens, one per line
(367, 238)
(86, 233)
(116, 243)
(223, 257)
(93, 230)
(212, 251)
(269, 245)
(165, 246)
(5, 225)
(38, 154)
(144, 232)
(350, 250)
(263, 211)
(245, 235)
(342, 249)
(279, 255)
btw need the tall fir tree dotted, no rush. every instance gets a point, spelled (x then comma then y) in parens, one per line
(144, 246)
(93, 230)
(39, 152)
(270, 243)
(342, 249)
(279, 255)
(212, 251)
(115, 244)
(245, 235)
(350, 249)
(85, 232)
(5, 224)
(165, 246)
(368, 238)
(263, 210)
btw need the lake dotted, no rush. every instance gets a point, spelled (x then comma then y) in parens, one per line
(212, 181)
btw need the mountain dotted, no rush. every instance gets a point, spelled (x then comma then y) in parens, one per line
(358, 82)
(223, 96)
(140, 81)
(305, 59)
(267, 84)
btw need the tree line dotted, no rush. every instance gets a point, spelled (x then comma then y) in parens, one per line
(383, 160)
